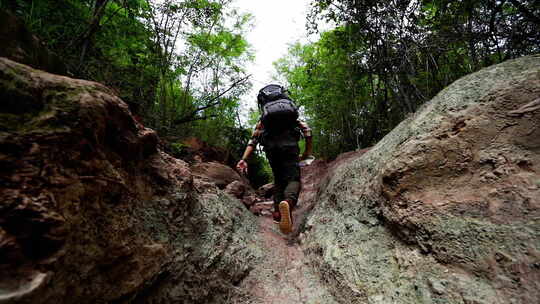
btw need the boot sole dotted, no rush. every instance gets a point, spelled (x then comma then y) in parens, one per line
(285, 225)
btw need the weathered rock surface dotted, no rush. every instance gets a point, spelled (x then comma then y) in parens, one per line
(218, 174)
(445, 209)
(266, 191)
(197, 149)
(224, 177)
(92, 212)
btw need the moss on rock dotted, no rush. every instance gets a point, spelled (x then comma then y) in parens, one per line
(421, 218)
(91, 211)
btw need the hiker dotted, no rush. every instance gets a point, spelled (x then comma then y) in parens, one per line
(279, 131)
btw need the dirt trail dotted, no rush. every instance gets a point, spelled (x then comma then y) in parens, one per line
(284, 275)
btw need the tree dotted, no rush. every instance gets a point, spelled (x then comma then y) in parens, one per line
(177, 63)
(385, 58)
(202, 60)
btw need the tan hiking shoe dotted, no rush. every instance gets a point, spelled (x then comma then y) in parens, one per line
(285, 223)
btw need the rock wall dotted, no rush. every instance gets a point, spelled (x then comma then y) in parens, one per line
(445, 209)
(92, 212)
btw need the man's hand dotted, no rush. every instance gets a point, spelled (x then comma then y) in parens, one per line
(242, 167)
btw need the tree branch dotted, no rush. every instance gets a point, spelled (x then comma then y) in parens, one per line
(214, 101)
(230, 88)
(193, 118)
(528, 14)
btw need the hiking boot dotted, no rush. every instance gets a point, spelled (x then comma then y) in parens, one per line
(276, 216)
(285, 223)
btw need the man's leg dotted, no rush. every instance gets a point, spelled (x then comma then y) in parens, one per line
(279, 183)
(279, 196)
(292, 180)
(291, 191)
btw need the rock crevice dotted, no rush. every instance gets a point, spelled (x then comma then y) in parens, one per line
(445, 209)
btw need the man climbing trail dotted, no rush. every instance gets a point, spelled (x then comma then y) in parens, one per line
(279, 131)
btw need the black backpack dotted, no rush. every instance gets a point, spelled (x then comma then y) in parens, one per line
(278, 111)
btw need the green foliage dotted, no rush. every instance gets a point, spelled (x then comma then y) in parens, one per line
(179, 64)
(385, 58)
(207, 73)
(253, 117)
(334, 99)
(110, 45)
(259, 172)
(178, 149)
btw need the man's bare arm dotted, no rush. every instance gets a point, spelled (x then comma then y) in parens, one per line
(309, 148)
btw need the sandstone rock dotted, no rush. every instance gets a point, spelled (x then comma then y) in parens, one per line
(266, 191)
(262, 208)
(206, 153)
(219, 174)
(193, 150)
(448, 196)
(236, 189)
(91, 211)
(249, 200)
(443, 210)
(224, 177)
(242, 192)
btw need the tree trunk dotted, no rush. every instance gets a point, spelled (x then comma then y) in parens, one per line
(99, 11)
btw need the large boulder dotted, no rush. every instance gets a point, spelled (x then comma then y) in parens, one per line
(198, 149)
(266, 191)
(446, 208)
(224, 177)
(219, 174)
(91, 211)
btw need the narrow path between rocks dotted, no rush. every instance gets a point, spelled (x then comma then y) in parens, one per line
(285, 276)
